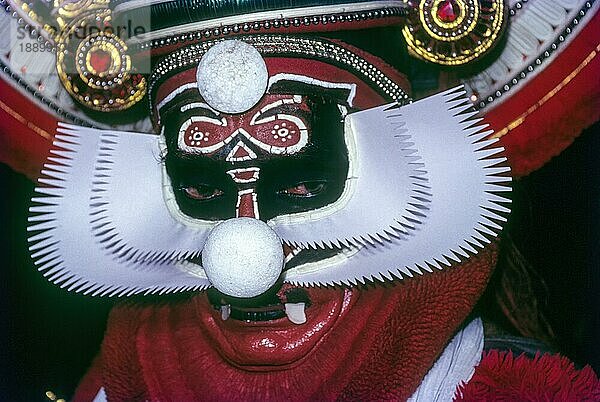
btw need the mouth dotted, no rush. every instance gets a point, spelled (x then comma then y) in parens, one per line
(278, 329)
(276, 333)
(282, 300)
(285, 301)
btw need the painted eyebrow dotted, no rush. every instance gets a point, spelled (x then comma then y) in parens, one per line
(314, 82)
(167, 99)
(295, 99)
(198, 105)
(183, 155)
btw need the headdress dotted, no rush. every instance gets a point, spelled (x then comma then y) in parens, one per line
(425, 186)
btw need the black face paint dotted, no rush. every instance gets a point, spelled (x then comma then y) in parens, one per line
(309, 179)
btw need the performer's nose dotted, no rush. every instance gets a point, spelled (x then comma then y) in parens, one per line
(243, 257)
(247, 205)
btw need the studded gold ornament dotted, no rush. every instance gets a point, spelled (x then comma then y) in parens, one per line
(94, 65)
(454, 32)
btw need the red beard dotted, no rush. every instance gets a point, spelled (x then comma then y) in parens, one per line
(380, 348)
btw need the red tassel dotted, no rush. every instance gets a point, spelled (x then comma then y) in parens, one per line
(501, 376)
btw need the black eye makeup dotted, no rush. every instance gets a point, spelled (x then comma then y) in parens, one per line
(306, 189)
(310, 179)
(201, 187)
(303, 183)
(202, 192)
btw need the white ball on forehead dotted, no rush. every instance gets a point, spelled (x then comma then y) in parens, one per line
(242, 257)
(232, 76)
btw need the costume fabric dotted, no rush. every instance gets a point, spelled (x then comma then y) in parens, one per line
(381, 349)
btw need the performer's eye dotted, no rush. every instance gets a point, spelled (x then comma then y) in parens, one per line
(202, 192)
(305, 189)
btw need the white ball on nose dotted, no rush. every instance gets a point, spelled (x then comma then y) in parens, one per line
(243, 257)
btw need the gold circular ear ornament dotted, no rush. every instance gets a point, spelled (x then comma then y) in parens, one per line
(454, 32)
(94, 66)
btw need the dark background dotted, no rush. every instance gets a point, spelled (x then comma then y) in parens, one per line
(50, 335)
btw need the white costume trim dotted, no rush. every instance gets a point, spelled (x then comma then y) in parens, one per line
(454, 367)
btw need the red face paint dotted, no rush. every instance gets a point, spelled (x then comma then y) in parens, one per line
(274, 126)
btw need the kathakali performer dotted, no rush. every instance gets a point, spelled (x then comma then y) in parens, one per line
(330, 229)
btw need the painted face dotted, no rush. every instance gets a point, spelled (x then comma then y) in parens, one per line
(286, 155)
(283, 156)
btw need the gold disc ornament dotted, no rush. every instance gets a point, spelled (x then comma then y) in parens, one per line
(454, 32)
(94, 66)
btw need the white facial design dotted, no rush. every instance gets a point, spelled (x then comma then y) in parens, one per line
(269, 131)
(271, 128)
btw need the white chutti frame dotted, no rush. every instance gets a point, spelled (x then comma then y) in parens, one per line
(424, 189)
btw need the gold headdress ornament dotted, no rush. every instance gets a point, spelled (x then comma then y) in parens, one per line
(454, 32)
(92, 59)
(97, 61)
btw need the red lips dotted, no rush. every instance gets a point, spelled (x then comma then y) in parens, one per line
(251, 345)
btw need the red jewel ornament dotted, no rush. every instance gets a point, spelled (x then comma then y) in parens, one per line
(448, 11)
(100, 61)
